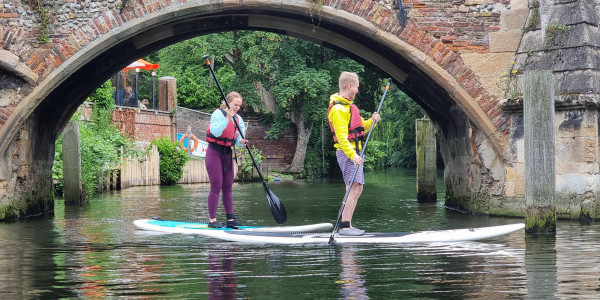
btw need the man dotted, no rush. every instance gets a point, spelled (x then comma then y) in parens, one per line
(348, 129)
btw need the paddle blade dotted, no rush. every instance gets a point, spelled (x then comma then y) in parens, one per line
(277, 208)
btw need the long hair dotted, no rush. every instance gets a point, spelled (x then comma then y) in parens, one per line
(230, 97)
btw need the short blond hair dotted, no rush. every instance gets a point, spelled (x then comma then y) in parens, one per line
(230, 97)
(347, 78)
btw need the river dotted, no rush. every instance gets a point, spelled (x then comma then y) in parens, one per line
(95, 252)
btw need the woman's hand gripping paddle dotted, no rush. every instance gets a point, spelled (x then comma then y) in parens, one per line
(277, 208)
(362, 155)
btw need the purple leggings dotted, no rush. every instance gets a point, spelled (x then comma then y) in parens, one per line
(220, 174)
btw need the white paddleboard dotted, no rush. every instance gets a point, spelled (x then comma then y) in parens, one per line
(299, 235)
(200, 228)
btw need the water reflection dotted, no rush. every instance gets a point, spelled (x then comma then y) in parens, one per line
(94, 251)
(221, 276)
(540, 264)
(351, 277)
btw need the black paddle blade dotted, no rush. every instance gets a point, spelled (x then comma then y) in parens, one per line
(277, 208)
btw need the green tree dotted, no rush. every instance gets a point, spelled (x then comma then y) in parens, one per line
(397, 129)
(296, 79)
(288, 82)
(287, 79)
(196, 88)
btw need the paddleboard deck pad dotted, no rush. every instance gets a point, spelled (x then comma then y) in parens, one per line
(202, 227)
(313, 233)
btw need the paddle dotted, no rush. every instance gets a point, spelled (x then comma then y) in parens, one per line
(277, 208)
(362, 155)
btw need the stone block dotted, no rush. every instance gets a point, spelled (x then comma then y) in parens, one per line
(573, 167)
(509, 187)
(572, 59)
(520, 150)
(489, 67)
(575, 12)
(585, 81)
(504, 41)
(577, 35)
(531, 42)
(520, 182)
(519, 4)
(590, 152)
(511, 174)
(575, 183)
(569, 149)
(8, 60)
(513, 19)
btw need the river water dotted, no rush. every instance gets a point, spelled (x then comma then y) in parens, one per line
(94, 251)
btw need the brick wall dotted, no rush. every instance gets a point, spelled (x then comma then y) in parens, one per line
(143, 125)
(461, 25)
(279, 153)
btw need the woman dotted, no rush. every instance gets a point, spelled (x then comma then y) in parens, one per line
(221, 135)
(129, 97)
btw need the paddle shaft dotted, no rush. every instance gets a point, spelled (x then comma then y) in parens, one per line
(362, 155)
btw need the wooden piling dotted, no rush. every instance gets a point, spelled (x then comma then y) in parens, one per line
(538, 119)
(73, 190)
(426, 159)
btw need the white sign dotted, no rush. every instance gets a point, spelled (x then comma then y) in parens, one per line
(201, 149)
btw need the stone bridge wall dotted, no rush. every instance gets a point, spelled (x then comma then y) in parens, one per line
(460, 60)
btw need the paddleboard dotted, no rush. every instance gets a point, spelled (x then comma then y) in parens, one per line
(302, 235)
(201, 228)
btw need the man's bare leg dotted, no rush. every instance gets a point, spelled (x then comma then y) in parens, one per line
(351, 202)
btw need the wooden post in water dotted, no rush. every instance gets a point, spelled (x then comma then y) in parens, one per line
(72, 164)
(426, 159)
(538, 119)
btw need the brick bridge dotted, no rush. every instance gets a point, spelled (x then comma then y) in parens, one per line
(460, 60)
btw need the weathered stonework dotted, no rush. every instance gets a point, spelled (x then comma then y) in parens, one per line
(572, 56)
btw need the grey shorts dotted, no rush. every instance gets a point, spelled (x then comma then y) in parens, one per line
(348, 167)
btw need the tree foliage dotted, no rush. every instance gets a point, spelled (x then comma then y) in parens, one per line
(196, 88)
(288, 82)
(396, 131)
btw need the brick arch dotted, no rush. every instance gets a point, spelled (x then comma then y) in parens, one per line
(417, 61)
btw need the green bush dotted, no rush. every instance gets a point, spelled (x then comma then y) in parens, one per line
(246, 165)
(172, 160)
